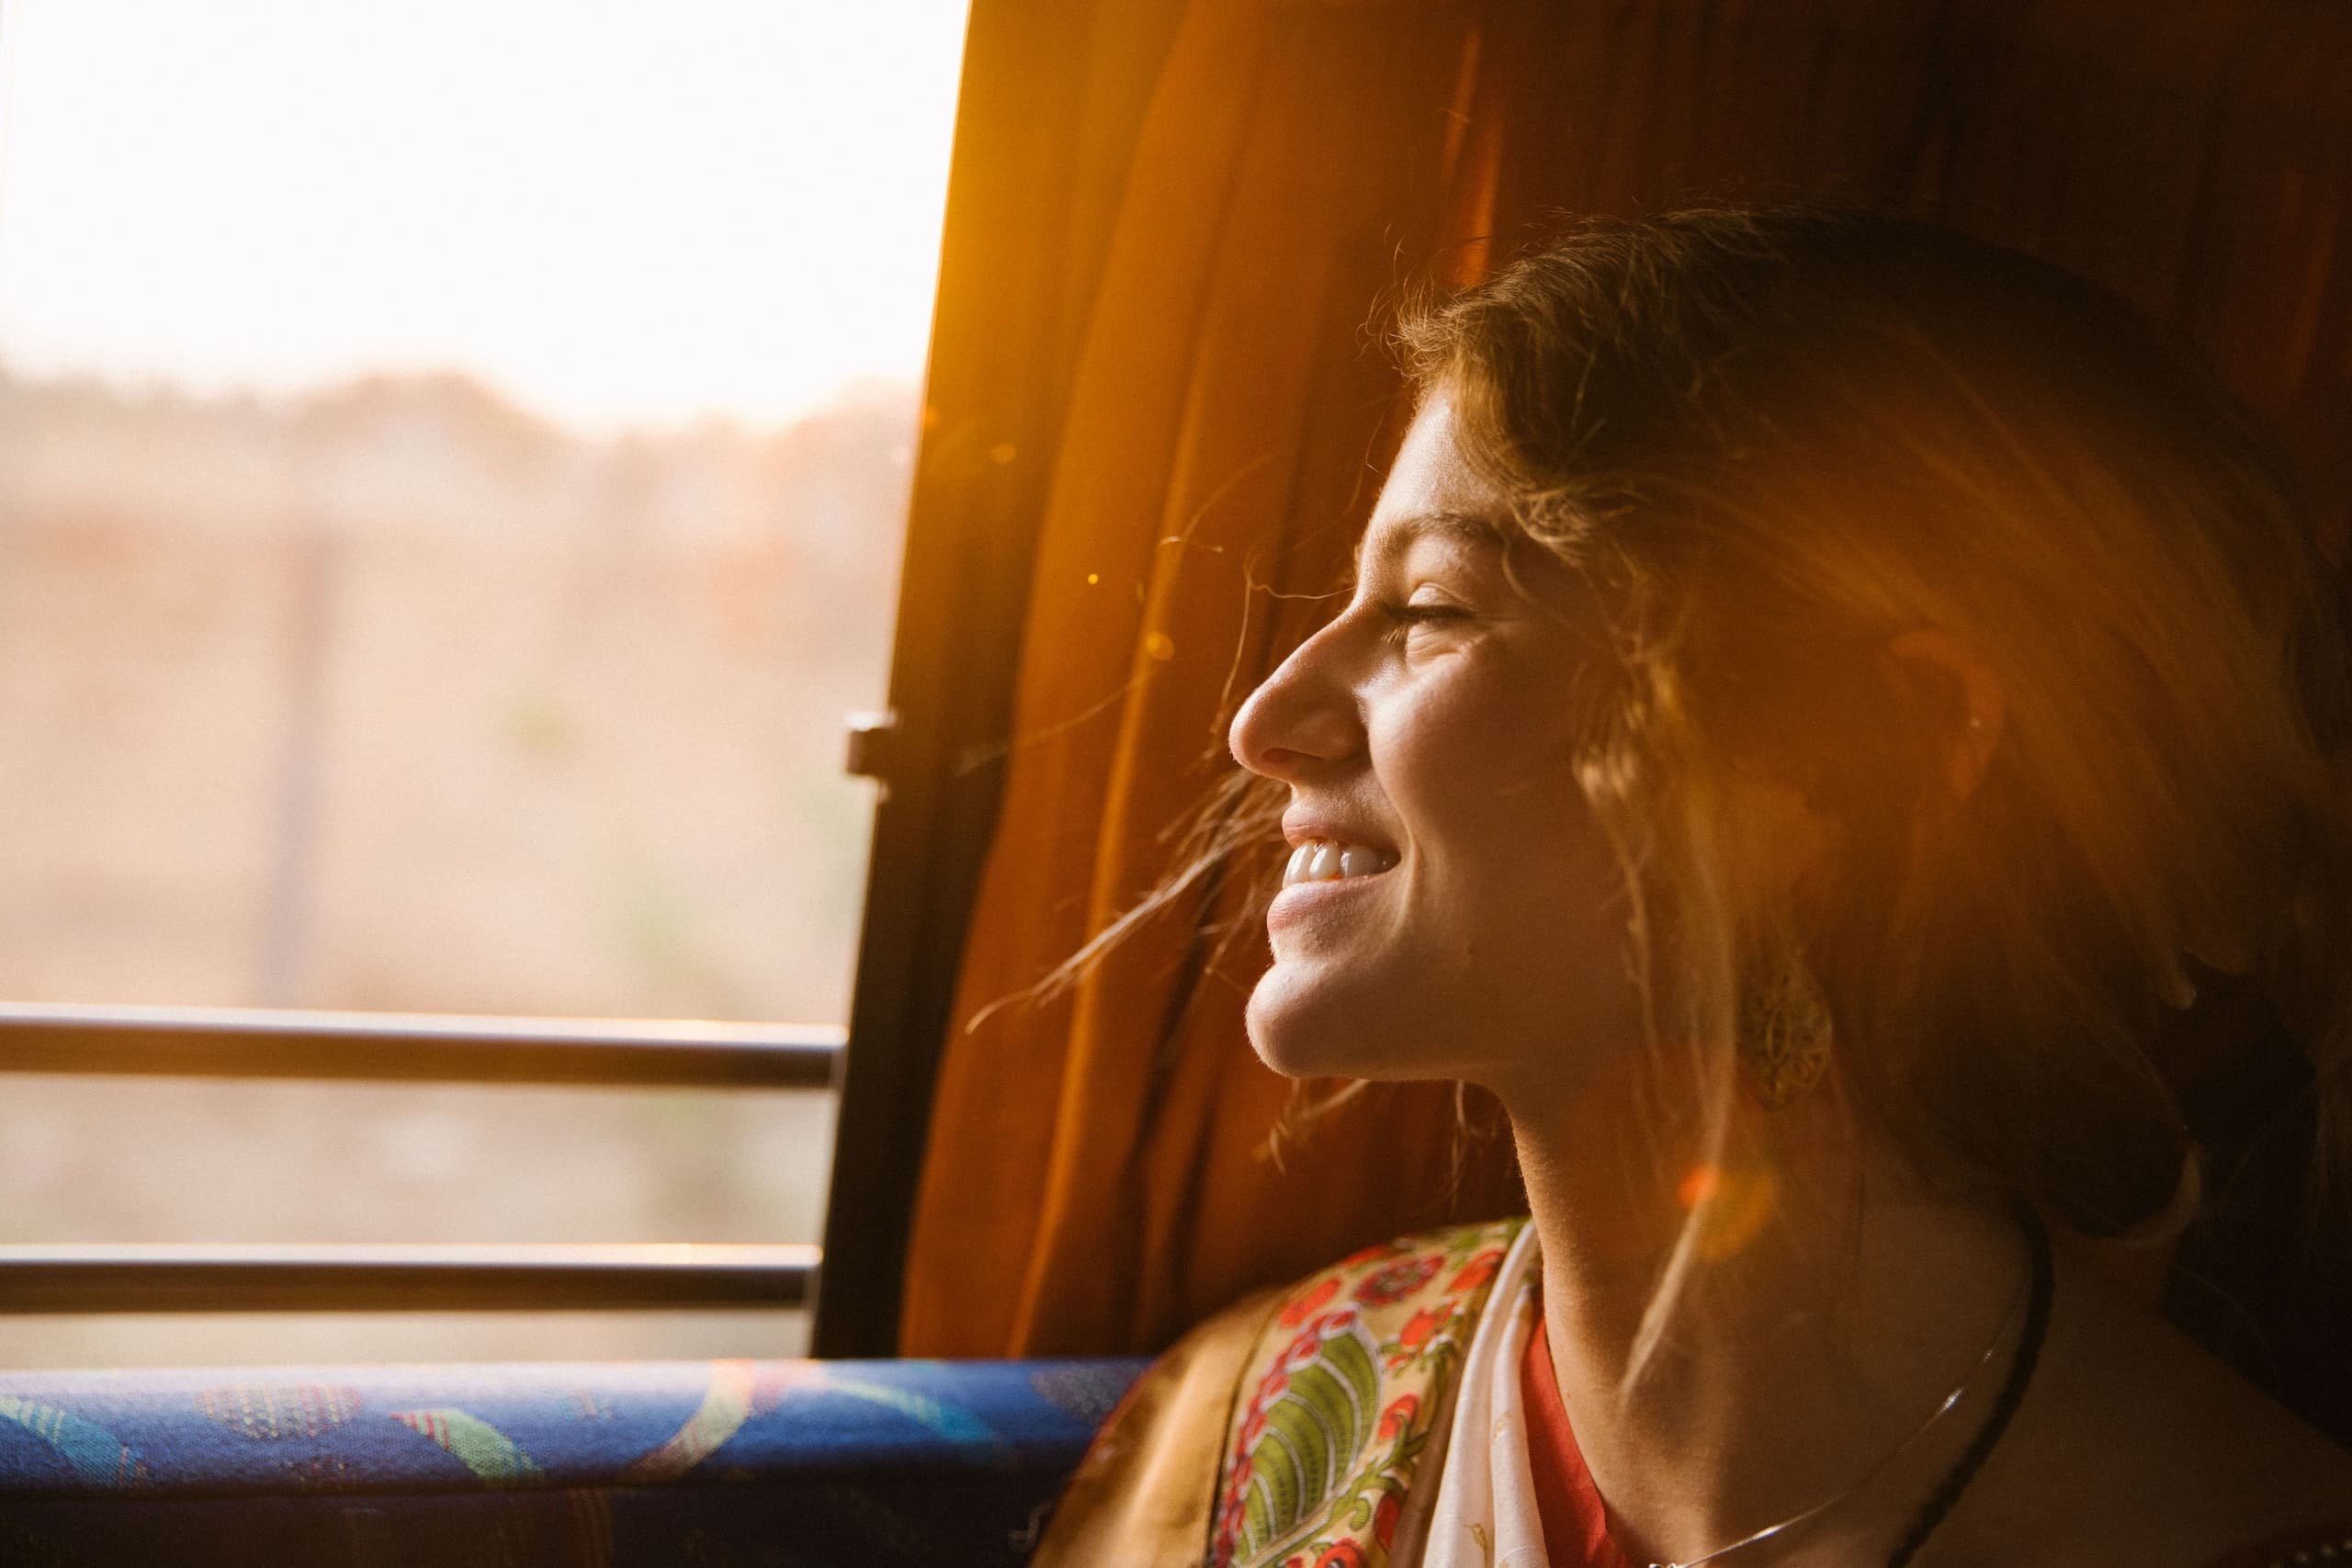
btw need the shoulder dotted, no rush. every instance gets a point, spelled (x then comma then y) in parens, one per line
(2136, 1447)
(1143, 1493)
(1283, 1418)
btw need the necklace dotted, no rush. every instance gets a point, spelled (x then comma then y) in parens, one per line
(2034, 1295)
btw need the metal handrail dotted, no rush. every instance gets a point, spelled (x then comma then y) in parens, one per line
(170, 1276)
(258, 1042)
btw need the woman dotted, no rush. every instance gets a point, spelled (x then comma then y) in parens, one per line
(1818, 698)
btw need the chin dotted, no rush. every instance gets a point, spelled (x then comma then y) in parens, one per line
(1308, 1031)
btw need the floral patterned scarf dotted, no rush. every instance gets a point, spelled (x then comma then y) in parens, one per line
(1343, 1397)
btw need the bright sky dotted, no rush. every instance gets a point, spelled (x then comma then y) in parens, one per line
(612, 212)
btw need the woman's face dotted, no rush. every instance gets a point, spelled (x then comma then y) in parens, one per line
(1468, 920)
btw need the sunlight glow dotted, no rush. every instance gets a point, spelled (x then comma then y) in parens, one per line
(613, 213)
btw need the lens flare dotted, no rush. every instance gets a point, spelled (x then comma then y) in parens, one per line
(1729, 1206)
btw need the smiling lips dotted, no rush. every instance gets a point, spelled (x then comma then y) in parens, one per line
(1322, 860)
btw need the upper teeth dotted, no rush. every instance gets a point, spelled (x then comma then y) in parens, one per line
(1320, 860)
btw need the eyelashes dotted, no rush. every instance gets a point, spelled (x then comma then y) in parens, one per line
(1403, 619)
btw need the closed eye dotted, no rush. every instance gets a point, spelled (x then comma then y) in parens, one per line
(1403, 619)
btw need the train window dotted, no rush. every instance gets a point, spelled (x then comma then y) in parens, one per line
(453, 457)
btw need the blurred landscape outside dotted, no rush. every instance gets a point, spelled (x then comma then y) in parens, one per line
(469, 635)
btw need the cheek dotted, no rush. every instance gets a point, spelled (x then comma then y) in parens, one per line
(1519, 896)
(1481, 772)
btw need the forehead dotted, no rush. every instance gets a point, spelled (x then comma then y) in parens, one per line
(1432, 492)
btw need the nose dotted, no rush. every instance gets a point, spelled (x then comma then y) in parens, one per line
(1304, 716)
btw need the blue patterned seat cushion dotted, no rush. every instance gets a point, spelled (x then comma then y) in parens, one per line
(782, 1463)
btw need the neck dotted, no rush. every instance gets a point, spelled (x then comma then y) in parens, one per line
(1830, 1304)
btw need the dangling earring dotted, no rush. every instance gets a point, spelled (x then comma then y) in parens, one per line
(1784, 1027)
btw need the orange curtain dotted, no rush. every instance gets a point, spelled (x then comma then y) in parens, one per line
(1097, 1176)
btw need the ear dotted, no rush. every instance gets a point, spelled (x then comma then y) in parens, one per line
(1960, 699)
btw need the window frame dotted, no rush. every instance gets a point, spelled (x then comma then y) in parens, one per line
(1052, 101)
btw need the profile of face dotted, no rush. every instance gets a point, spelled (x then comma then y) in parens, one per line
(1451, 907)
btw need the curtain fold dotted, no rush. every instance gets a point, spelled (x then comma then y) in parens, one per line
(1097, 1177)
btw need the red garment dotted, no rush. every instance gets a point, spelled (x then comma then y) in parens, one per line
(1576, 1525)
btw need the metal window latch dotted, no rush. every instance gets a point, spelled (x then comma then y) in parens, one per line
(873, 749)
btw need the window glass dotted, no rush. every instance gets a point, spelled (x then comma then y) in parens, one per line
(166, 1339)
(452, 464)
(120, 1159)
(133, 1159)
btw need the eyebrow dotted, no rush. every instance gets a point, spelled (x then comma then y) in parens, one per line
(1396, 538)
